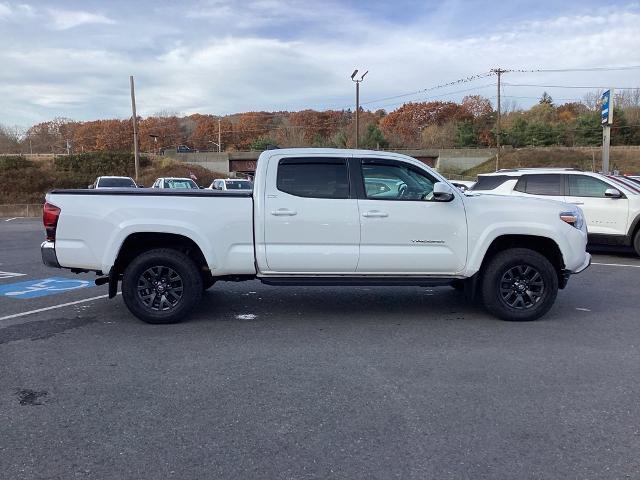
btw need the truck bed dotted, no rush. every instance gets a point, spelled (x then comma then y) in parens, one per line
(94, 224)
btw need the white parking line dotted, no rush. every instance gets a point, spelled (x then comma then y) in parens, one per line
(4, 275)
(30, 312)
(615, 265)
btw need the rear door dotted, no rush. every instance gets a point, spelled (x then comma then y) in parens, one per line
(604, 215)
(311, 222)
(403, 231)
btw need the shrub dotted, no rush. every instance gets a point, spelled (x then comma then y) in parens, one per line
(14, 162)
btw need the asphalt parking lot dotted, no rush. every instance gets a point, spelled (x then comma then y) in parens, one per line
(269, 382)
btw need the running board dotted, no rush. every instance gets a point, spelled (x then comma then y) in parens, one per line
(358, 281)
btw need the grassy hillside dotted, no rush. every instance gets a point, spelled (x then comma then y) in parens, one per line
(627, 161)
(25, 181)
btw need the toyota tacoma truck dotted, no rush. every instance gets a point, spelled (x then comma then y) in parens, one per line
(318, 217)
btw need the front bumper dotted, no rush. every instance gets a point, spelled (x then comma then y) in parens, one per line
(48, 252)
(564, 278)
(584, 266)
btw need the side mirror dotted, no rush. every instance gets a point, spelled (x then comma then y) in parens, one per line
(90, 186)
(140, 186)
(201, 187)
(612, 193)
(442, 192)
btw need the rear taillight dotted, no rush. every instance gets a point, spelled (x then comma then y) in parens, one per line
(50, 215)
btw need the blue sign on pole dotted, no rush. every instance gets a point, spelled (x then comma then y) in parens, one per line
(606, 112)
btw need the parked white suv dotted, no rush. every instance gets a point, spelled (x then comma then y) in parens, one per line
(611, 205)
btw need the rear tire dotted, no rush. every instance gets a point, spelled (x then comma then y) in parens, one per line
(161, 286)
(636, 243)
(519, 284)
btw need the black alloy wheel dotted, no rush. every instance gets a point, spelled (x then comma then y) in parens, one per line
(521, 287)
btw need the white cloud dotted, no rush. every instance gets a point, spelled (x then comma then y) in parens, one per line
(65, 19)
(9, 11)
(5, 10)
(212, 72)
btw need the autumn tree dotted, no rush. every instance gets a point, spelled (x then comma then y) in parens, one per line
(206, 132)
(167, 130)
(115, 136)
(9, 140)
(402, 126)
(250, 126)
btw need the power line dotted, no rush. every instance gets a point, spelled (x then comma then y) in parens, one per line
(563, 70)
(567, 86)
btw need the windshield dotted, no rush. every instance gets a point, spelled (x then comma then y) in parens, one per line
(116, 182)
(239, 185)
(180, 183)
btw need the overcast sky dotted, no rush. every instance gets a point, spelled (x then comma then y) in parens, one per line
(73, 58)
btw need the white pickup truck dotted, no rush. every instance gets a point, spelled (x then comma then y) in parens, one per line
(318, 217)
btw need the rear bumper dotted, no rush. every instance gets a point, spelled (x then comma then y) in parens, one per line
(48, 252)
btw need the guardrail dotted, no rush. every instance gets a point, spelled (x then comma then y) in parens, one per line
(21, 210)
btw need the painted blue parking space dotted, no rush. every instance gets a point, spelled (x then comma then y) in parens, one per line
(43, 287)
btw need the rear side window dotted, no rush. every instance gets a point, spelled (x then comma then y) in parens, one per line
(315, 178)
(489, 182)
(585, 186)
(540, 184)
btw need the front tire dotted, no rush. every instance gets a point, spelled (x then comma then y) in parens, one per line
(161, 286)
(519, 285)
(636, 243)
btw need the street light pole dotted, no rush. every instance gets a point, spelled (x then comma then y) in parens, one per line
(357, 82)
(136, 152)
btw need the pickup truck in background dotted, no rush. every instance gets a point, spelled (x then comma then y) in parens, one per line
(318, 217)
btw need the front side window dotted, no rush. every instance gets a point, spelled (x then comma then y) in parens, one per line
(396, 182)
(315, 178)
(540, 184)
(585, 186)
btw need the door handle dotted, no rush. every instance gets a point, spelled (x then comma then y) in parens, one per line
(577, 203)
(375, 214)
(283, 212)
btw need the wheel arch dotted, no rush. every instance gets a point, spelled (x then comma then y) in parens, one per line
(137, 243)
(545, 246)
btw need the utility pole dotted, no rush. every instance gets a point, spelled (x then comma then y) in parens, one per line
(136, 152)
(219, 137)
(357, 82)
(499, 72)
(68, 147)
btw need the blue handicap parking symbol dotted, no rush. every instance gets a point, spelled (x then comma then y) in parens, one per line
(43, 287)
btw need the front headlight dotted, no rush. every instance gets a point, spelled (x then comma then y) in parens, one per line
(575, 218)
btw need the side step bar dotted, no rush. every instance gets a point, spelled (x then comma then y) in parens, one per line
(358, 281)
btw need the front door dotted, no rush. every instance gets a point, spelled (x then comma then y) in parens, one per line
(403, 230)
(311, 217)
(604, 216)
